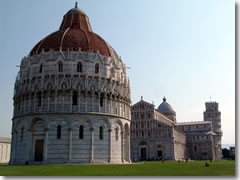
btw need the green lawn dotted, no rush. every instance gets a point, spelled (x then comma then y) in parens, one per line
(154, 168)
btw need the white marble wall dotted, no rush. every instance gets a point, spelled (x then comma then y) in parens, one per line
(71, 149)
(47, 96)
(180, 152)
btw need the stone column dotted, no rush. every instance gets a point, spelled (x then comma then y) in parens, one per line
(6, 152)
(122, 145)
(70, 145)
(46, 145)
(110, 146)
(92, 145)
(85, 101)
(105, 103)
(29, 135)
(79, 102)
(71, 102)
(55, 101)
(110, 104)
(113, 106)
(116, 105)
(48, 99)
(119, 107)
(35, 101)
(99, 107)
(42, 96)
(92, 101)
(123, 108)
(63, 95)
(128, 141)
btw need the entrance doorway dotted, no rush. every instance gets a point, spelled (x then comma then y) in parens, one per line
(159, 153)
(143, 153)
(39, 150)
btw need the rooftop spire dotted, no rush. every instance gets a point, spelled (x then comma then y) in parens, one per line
(164, 99)
(76, 4)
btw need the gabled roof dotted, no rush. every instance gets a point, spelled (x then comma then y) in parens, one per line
(143, 102)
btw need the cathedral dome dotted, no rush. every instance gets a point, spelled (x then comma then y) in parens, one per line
(74, 34)
(164, 107)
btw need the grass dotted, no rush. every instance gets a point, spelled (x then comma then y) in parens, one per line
(154, 168)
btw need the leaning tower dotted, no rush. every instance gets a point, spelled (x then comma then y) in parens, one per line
(71, 99)
(212, 114)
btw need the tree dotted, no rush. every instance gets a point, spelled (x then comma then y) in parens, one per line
(226, 153)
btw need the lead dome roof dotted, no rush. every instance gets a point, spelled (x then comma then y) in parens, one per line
(164, 107)
(74, 34)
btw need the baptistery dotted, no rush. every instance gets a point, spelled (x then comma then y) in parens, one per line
(71, 99)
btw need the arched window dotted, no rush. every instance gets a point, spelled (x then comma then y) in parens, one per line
(60, 66)
(97, 68)
(59, 132)
(100, 132)
(79, 67)
(39, 98)
(22, 134)
(116, 134)
(75, 98)
(64, 86)
(41, 68)
(101, 100)
(81, 130)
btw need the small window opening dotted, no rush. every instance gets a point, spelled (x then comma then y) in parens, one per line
(101, 100)
(81, 132)
(59, 132)
(116, 135)
(75, 98)
(22, 134)
(100, 132)
(79, 67)
(40, 69)
(60, 66)
(97, 68)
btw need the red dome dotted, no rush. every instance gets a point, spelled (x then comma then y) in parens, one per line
(74, 34)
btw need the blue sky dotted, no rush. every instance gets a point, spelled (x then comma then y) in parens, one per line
(184, 50)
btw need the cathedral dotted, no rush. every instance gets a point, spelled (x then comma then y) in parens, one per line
(156, 135)
(71, 99)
